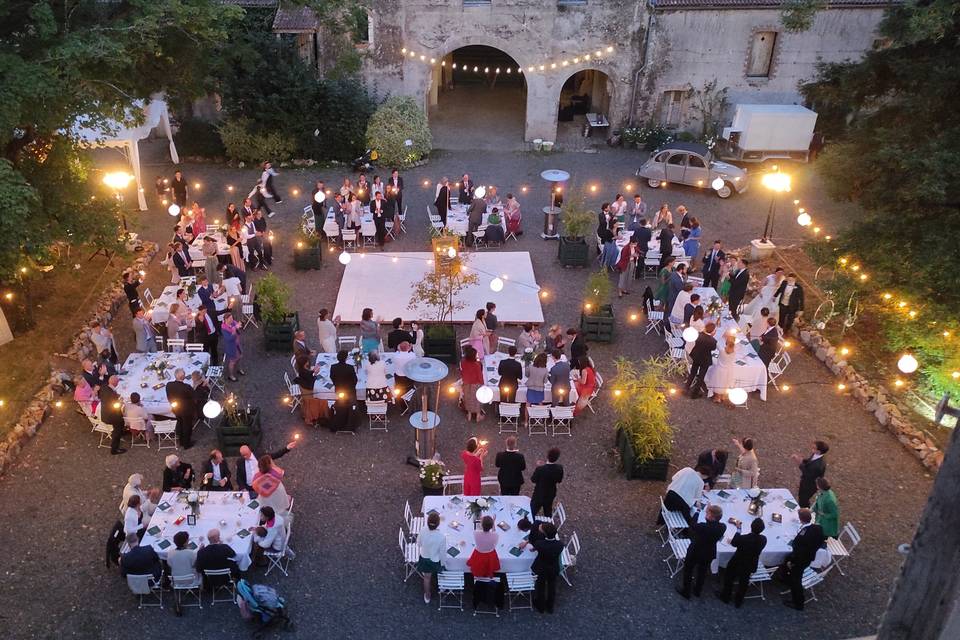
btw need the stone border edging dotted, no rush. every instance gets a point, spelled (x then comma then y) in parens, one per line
(38, 409)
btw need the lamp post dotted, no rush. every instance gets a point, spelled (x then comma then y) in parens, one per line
(777, 182)
(119, 181)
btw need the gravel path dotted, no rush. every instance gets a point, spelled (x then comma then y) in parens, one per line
(60, 500)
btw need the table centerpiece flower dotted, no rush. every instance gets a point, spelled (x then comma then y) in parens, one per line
(477, 506)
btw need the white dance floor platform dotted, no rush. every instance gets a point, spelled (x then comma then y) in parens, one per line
(384, 282)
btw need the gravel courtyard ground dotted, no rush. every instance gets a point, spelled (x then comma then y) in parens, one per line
(60, 500)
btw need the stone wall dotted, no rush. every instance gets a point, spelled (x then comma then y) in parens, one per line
(110, 302)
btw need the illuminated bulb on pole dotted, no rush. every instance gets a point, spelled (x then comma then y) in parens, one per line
(496, 285)
(344, 258)
(907, 363)
(451, 253)
(484, 395)
(804, 220)
(212, 409)
(737, 396)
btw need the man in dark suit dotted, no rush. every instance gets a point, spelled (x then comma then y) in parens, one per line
(545, 479)
(790, 294)
(510, 371)
(247, 466)
(738, 288)
(808, 539)
(398, 335)
(111, 412)
(378, 209)
(184, 404)
(665, 237)
(475, 215)
(716, 461)
(395, 191)
(642, 235)
(182, 260)
(216, 473)
(675, 284)
(701, 357)
(578, 344)
(130, 284)
(711, 265)
(510, 467)
(466, 189)
(318, 204)
(344, 379)
(208, 333)
(743, 563)
(300, 347)
(811, 468)
(179, 188)
(547, 567)
(216, 555)
(769, 342)
(140, 560)
(704, 537)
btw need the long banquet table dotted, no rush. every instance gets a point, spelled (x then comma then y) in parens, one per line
(735, 502)
(160, 308)
(492, 379)
(152, 385)
(458, 222)
(323, 387)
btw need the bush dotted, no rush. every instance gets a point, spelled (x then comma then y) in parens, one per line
(641, 407)
(575, 218)
(274, 298)
(395, 122)
(598, 289)
(243, 145)
(197, 137)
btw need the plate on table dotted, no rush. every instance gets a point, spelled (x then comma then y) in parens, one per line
(790, 504)
(516, 552)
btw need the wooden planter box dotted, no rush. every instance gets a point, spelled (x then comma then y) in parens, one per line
(598, 326)
(231, 438)
(307, 256)
(573, 252)
(633, 469)
(443, 347)
(279, 336)
(431, 491)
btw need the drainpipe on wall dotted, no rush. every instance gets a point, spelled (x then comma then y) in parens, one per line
(643, 61)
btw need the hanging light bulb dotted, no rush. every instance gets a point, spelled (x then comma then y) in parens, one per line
(344, 258)
(174, 209)
(451, 252)
(484, 395)
(496, 285)
(690, 334)
(319, 196)
(737, 396)
(907, 363)
(212, 409)
(804, 220)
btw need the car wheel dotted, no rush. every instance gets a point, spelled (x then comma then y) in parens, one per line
(654, 183)
(725, 191)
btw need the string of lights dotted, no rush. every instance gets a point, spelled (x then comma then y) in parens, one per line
(551, 65)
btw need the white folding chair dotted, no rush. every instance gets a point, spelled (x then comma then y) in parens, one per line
(215, 377)
(673, 523)
(280, 559)
(651, 263)
(403, 218)
(678, 553)
(369, 235)
(220, 580)
(568, 557)
(166, 432)
(347, 342)
(193, 347)
(436, 224)
(389, 224)
(188, 585)
(377, 413)
(411, 555)
(596, 392)
(138, 430)
(407, 400)
(186, 281)
(810, 580)
(105, 431)
(757, 578)
(415, 524)
(538, 417)
(561, 418)
(838, 550)
(148, 297)
(723, 479)
(450, 585)
(490, 481)
(559, 515)
(146, 587)
(509, 417)
(520, 588)
(293, 392)
(654, 321)
(503, 344)
(349, 238)
(776, 369)
(175, 344)
(480, 237)
(451, 481)
(248, 315)
(464, 343)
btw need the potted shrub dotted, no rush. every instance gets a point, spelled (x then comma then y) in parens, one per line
(437, 297)
(307, 252)
(399, 132)
(279, 321)
(596, 319)
(431, 477)
(237, 425)
(572, 249)
(644, 435)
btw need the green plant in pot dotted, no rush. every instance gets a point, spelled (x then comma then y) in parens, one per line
(307, 252)
(279, 320)
(431, 477)
(437, 296)
(644, 433)
(575, 221)
(596, 319)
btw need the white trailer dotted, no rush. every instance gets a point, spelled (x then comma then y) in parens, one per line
(768, 131)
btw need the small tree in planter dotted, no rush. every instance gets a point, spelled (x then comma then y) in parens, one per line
(307, 252)
(576, 221)
(280, 322)
(238, 425)
(596, 319)
(644, 434)
(438, 292)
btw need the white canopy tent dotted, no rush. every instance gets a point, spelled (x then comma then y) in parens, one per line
(155, 114)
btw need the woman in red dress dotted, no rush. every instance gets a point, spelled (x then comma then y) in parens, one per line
(472, 467)
(484, 561)
(586, 383)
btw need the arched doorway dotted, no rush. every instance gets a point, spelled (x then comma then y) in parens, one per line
(478, 100)
(586, 91)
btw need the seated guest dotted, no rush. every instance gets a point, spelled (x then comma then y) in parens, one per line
(182, 560)
(680, 303)
(216, 473)
(704, 537)
(132, 488)
(494, 233)
(269, 535)
(559, 380)
(176, 475)
(140, 560)
(744, 562)
(690, 308)
(537, 375)
(216, 555)
(133, 518)
(716, 461)
(378, 389)
(511, 211)
(403, 356)
(511, 372)
(137, 417)
(398, 335)
(805, 545)
(529, 338)
(685, 490)
(149, 505)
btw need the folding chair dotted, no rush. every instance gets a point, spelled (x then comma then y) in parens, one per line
(377, 413)
(194, 347)
(389, 224)
(145, 586)
(408, 399)
(368, 235)
(188, 585)
(480, 237)
(505, 343)
(138, 428)
(166, 431)
(810, 579)
(186, 281)
(673, 523)
(568, 557)
(538, 417)
(464, 343)
(402, 217)
(436, 223)
(757, 578)
(651, 263)
(520, 588)
(559, 515)
(838, 549)
(776, 369)
(723, 479)
(654, 321)
(347, 342)
(411, 555)
(483, 588)
(280, 559)
(293, 392)
(349, 238)
(148, 297)
(509, 417)
(678, 553)
(105, 431)
(220, 580)
(561, 418)
(595, 393)
(175, 344)
(490, 481)
(451, 481)
(415, 524)
(450, 585)
(215, 377)
(248, 315)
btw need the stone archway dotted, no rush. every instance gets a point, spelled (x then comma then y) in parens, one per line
(586, 90)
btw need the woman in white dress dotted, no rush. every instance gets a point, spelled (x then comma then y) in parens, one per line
(327, 331)
(721, 377)
(418, 339)
(766, 296)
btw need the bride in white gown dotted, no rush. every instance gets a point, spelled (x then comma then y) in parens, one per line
(766, 296)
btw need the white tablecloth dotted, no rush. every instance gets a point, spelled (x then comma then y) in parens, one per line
(751, 373)
(459, 223)
(160, 309)
(228, 511)
(505, 509)
(323, 387)
(332, 229)
(492, 379)
(778, 535)
(654, 247)
(196, 247)
(149, 384)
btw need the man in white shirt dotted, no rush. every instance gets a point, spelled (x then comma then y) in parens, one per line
(248, 233)
(234, 290)
(102, 339)
(246, 469)
(137, 417)
(270, 534)
(686, 488)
